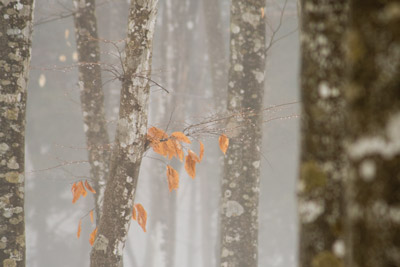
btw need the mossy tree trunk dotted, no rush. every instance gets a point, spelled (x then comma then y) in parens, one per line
(373, 147)
(240, 183)
(322, 161)
(92, 98)
(15, 53)
(130, 137)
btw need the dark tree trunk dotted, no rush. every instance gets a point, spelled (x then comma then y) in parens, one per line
(92, 99)
(322, 161)
(373, 97)
(15, 54)
(130, 138)
(240, 184)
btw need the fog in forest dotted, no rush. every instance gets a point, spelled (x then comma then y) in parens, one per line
(182, 225)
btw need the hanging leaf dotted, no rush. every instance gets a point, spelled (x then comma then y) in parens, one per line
(134, 213)
(181, 137)
(89, 187)
(173, 178)
(78, 234)
(141, 216)
(77, 190)
(91, 216)
(223, 143)
(201, 151)
(160, 148)
(156, 134)
(171, 148)
(179, 150)
(93, 236)
(190, 163)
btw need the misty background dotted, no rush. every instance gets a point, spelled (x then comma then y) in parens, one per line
(182, 227)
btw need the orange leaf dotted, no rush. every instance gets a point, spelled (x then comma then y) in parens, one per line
(223, 143)
(91, 216)
(173, 178)
(171, 148)
(181, 137)
(78, 234)
(160, 148)
(89, 187)
(262, 12)
(142, 216)
(201, 151)
(179, 150)
(190, 163)
(93, 236)
(77, 190)
(134, 213)
(156, 134)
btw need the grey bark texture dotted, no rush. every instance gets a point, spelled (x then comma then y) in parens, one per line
(322, 160)
(92, 98)
(373, 97)
(240, 183)
(130, 138)
(15, 53)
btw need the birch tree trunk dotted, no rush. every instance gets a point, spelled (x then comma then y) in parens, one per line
(15, 53)
(373, 96)
(240, 184)
(130, 138)
(320, 193)
(92, 98)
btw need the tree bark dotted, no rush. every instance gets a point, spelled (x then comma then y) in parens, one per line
(373, 97)
(15, 53)
(130, 138)
(240, 184)
(92, 98)
(322, 160)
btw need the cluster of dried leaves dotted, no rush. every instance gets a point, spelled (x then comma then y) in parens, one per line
(164, 145)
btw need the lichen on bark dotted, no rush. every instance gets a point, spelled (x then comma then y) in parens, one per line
(15, 53)
(240, 183)
(373, 145)
(130, 137)
(322, 161)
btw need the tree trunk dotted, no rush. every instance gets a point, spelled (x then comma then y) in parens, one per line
(373, 97)
(92, 99)
(240, 184)
(15, 54)
(322, 161)
(130, 138)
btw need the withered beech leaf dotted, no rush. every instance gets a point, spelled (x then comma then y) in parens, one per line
(201, 151)
(156, 134)
(181, 137)
(141, 216)
(190, 163)
(91, 216)
(78, 233)
(89, 187)
(173, 178)
(77, 190)
(93, 236)
(223, 143)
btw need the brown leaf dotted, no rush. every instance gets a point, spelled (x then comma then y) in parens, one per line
(91, 216)
(201, 151)
(93, 236)
(142, 216)
(156, 134)
(171, 148)
(78, 234)
(173, 178)
(223, 143)
(89, 187)
(181, 137)
(190, 163)
(77, 190)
